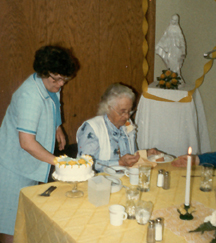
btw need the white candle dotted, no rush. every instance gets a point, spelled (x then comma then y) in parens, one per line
(188, 176)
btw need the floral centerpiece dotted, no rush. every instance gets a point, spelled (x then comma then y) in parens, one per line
(208, 225)
(168, 80)
(186, 212)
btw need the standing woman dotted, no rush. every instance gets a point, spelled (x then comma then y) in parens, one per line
(29, 130)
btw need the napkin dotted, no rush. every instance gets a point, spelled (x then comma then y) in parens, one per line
(143, 160)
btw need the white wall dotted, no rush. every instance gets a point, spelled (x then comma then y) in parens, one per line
(198, 22)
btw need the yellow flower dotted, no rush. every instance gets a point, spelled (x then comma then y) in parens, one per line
(182, 206)
(162, 76)
(168, 73)
(182, 211)
(174, 81)
(168, 85)
(191, 209)
(161, 82)
(174, 75)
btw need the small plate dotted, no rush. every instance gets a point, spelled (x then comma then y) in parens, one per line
(113, 173)
(167, 159)
(116, 185)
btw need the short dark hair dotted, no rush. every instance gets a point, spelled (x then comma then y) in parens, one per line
(56, 60)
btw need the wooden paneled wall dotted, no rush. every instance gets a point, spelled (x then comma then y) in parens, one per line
(105, 35)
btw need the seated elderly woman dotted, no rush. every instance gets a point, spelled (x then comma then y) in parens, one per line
(110, 137)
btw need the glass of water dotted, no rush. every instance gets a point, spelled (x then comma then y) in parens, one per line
(206, 177)
(143, 211)
(132, 196)
(144, 178)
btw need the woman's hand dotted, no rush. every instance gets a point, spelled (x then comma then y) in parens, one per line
(153, 151)
(129, 159)
(60, 137)
(181, 161)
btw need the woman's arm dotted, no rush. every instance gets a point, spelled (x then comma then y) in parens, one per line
(210, 158)
(30, 145)
(181, 161)
(60, 137)
(88, 143)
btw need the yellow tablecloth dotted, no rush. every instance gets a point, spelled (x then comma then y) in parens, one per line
(57, 218)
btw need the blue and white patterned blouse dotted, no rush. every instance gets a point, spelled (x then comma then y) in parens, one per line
(88, 143)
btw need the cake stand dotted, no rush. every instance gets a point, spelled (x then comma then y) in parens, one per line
(74, 193)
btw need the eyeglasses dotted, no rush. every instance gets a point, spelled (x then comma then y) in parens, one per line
(65, 80)
(123, 113)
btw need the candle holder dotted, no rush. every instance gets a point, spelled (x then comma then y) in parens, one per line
(186, 212)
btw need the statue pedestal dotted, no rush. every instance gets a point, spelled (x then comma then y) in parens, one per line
(172, 126)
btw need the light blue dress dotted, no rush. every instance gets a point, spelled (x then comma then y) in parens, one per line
(32, 111)
(120, 142)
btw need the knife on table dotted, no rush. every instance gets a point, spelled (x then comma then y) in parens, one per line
(48, 191)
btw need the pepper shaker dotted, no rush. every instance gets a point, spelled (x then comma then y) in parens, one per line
(166, 180)
(158, 230)
(151, 232)
(160, 178)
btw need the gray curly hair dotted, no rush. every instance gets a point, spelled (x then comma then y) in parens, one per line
(113, 92)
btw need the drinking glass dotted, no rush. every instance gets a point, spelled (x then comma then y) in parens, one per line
(143, 211)
(144, 178)
(206, 177)
(132, 196)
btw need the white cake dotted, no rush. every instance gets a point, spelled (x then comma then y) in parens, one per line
(69, 169)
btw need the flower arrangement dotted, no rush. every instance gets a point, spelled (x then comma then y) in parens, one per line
(168, 80)
(208, 225)
(186, 212)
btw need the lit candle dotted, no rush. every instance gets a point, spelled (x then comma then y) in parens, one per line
(188, 176)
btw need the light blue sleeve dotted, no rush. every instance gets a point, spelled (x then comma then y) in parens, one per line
(29, 107)
(88, 143)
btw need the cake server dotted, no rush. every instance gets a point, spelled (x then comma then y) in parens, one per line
(48, 191)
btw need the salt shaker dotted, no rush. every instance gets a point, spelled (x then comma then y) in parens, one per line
(166, 184)
(151, 232)
(158, 229)
(160, 179)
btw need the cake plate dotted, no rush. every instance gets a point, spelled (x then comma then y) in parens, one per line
(74, 193)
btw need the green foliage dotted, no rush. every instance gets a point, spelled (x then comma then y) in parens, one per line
(206, 227)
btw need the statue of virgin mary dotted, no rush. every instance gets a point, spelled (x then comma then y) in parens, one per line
(171, 46)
